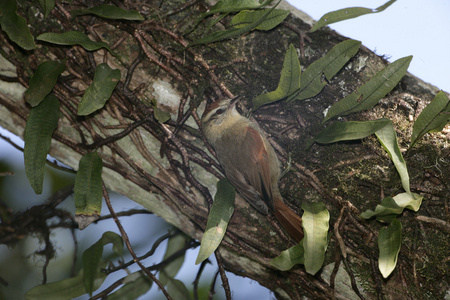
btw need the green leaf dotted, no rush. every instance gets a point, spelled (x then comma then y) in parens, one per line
(41, 124)
(110, 12)
(92, 258)
(64, 289)
(352, 130)
(330, 64)
(247, 17)
(175, 244)
(315, 224)
(43, 81)
(176, 288)
(393, 206)
(433, 118)
(224, 7)
(370, 93)
(88, 189)
(289, 258)
(219, 216)
(135, 285)
(388, 139)
(70, 38)
(47, 6)
(100, 90)
(389, 243)
(229, 6)
(347, 13)
(232, 33)
(15, 26)
(289, 80)
(160, 115)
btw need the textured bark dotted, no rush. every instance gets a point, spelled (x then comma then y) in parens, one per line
(167, 169)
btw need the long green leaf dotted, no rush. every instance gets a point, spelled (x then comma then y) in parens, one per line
(247, 17)
(47, 6)
(135, 285)
(41, 124)
(289, 258)
(100, 90)
(347, 13)
(433, 118)
(352, 130)
(174, 287)
(64, 289)
(219, 216)
(92, 258)
(388, 139)
(232, 33)
(289, 80)
(330, 64)
(393, 206)
(109, 12)
(15, 26)
(71, 38)
(315, 224)
(224, 7)
(43, 81)
(370, 93)
(88, 189)
(175, 244)
(177, 289)
(389, 243)
(229, 6)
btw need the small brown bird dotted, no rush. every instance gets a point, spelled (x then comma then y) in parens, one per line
(249, 161)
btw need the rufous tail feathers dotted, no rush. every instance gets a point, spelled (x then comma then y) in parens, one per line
(290, 221)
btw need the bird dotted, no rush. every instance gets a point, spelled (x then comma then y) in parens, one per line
(249, 161)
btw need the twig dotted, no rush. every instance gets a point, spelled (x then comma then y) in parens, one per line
(338, 234)
(441, 224)
(197, 277)
(213, 284)
(148, 254)
(223, 276)
(138, 35)
(127, 243)
(352, 279)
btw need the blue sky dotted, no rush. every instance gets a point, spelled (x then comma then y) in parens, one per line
(408, 27)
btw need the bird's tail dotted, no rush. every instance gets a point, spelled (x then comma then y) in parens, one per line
(290, 221)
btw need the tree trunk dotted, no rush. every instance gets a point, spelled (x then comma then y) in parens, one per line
(167, 168)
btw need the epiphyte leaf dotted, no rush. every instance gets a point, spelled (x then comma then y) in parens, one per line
(389, 244)
(219, 216)
(88, 189)
(92, 258)
(347, 13)
(315, 224)
(100, 90)
(43, 81)
(41, 124)
(247, 17)
(289, 80)
(311, 79)
(108, 11)
(15, 26)
(70, 38)
(351, 130)
(367, 95)
(433, 117)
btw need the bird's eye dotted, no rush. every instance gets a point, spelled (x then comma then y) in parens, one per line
(220, 111)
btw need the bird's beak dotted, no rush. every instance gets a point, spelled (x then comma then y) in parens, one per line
(234, 101)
